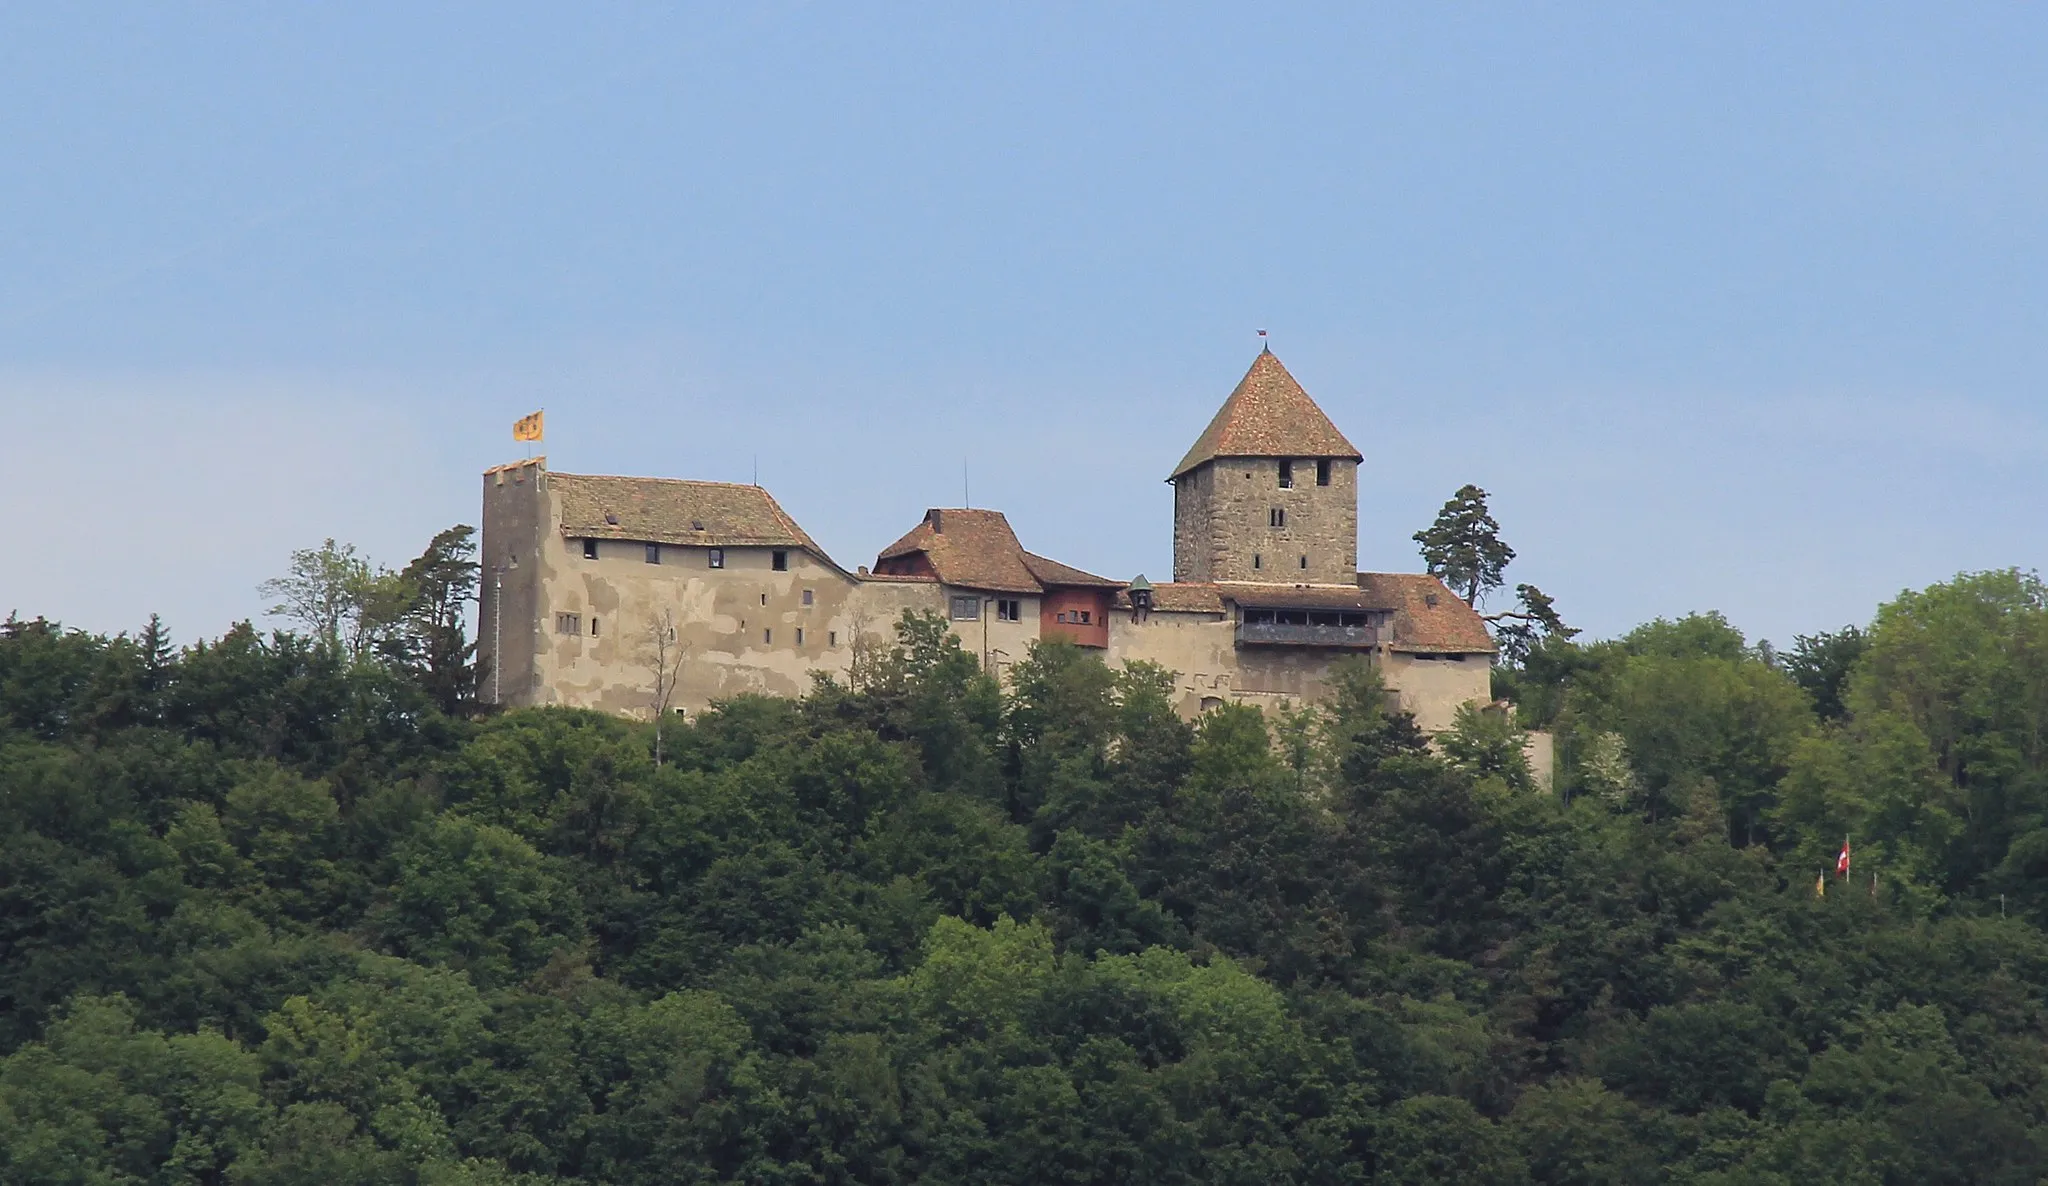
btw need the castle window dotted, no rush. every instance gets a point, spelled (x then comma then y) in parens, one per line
(1304, 562)
(831, 638)
(1322, 471)
(1081, 616)
(768, 637)
(654, 553)
(593, 626)
(568, 623)
(716, 557)
(799, 636)
(1277, 517)
(779, 562)
(1007, 609)
(807, 597)
(1256, 563)
(966, 609)
(1286, 477)
(590, 549)
(764, 599)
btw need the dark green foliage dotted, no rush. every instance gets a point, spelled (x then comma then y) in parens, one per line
(269, 914)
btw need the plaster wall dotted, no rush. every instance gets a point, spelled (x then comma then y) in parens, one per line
(1433, 688)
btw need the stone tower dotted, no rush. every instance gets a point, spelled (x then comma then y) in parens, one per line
(1269, 493)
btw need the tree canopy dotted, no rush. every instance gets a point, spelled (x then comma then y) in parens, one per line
(276, 909)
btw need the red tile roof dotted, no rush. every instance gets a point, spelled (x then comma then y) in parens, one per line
(1268, 415)
(674, 511)
(976, 549)
(1428, 618)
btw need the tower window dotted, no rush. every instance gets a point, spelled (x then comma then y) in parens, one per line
(1255, 561)
(568, 623)
(779, 562)
(590, 549)
(1277, 517)
(1322, 471)
(715, 557)
(654, 553)
(1287, 475)
(767, 636)
(831, 638)
(593, 626)
(807, 597)
(1304, 562)
(799, 636)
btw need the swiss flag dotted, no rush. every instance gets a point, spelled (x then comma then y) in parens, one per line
(1842, 862)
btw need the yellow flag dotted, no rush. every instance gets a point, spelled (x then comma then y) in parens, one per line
(1820, 886)
(527, 428)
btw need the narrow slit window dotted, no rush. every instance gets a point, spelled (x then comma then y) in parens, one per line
(768, 637)
(593, 626)
(590, 549)
(799, 636)
(1277, 517)
(779, 561)
(831, 638)
(1256, 563)
(1304, 562)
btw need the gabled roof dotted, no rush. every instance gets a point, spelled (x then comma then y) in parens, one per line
(674, 511)
(976, 549)
(1268, 415)
(1428, 618)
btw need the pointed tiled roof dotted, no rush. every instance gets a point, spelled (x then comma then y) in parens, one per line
(976, 549)
(1269, 415)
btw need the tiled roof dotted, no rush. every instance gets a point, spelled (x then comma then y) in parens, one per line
(673, 511)
(1269, 415)
(1448, 625)
(974, 549)
(1052, 572)
(1183, 597)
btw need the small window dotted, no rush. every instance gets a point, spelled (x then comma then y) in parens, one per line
(831, 638)
(568, 623)
(966, 609)
(1060, 616)
(1256, 562)
(768, 637)
(1082, 617)
(1007, 609)
(764, 599)
(716, 557)
(779, 561)
(590, 549)
(807, 597)
(1286, 476)
(1304, 562)
(799, 636)
(654, 553)
(1277, 517)
(593, 627)
(1322, 471)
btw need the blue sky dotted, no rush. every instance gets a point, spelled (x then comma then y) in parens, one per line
(1733, 307)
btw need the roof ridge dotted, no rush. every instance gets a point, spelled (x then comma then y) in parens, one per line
(1268, 414)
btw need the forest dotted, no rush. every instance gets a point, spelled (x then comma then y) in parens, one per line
(290, 907)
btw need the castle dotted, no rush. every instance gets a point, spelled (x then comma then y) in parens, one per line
(581, 573)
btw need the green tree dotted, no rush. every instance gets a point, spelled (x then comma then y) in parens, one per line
(1463, 547)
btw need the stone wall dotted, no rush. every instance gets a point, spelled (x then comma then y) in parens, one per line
(1224, 528)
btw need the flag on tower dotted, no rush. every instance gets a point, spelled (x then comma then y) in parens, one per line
(1842, 862)
(527, 428)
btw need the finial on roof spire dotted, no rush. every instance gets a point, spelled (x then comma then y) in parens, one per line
(1268, 346)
